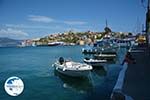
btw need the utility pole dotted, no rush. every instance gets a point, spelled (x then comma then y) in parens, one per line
(148, 24)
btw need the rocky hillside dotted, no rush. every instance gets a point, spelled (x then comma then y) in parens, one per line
(7, 42)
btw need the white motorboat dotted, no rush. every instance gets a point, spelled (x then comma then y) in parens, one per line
(71, 68)
(95, 62)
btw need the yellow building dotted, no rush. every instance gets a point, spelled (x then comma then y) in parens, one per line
(81, 42)
(141, 39)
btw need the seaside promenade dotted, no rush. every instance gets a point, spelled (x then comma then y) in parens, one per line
(137, 77)
(134, 79)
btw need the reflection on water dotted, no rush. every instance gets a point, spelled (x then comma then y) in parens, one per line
(81, 84)
(100, 71)
(33, 66)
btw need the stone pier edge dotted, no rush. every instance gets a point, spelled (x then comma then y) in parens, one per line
(117, 90)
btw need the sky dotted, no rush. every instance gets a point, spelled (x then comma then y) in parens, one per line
(24, 19)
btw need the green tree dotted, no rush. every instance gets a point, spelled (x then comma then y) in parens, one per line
(130, 34)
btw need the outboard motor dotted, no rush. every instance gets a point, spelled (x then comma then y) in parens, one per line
(61, 60)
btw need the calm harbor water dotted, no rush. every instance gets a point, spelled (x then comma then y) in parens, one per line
(34, 66)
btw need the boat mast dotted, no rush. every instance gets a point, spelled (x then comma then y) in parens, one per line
(106, 23)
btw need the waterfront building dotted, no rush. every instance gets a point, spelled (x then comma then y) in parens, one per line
(81, 42)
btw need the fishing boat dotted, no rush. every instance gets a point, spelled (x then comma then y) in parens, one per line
(106, 46)
(89, 49)
(107, 50)
(95, 62)
(71, 68)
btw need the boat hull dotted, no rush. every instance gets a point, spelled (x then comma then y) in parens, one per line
(106, 56)
(53, 44)
(73, 73)
(89, 52)
(95, 63)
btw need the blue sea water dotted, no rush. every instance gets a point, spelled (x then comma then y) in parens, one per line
(34, 66)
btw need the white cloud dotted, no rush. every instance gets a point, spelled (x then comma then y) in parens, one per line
(75, 22)
(12, 32)
(46, 19)
(43, 19)
(28, 27)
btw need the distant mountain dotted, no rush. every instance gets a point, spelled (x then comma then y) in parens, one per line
(7, 42)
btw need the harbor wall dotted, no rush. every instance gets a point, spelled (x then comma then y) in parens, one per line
(117, 93)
